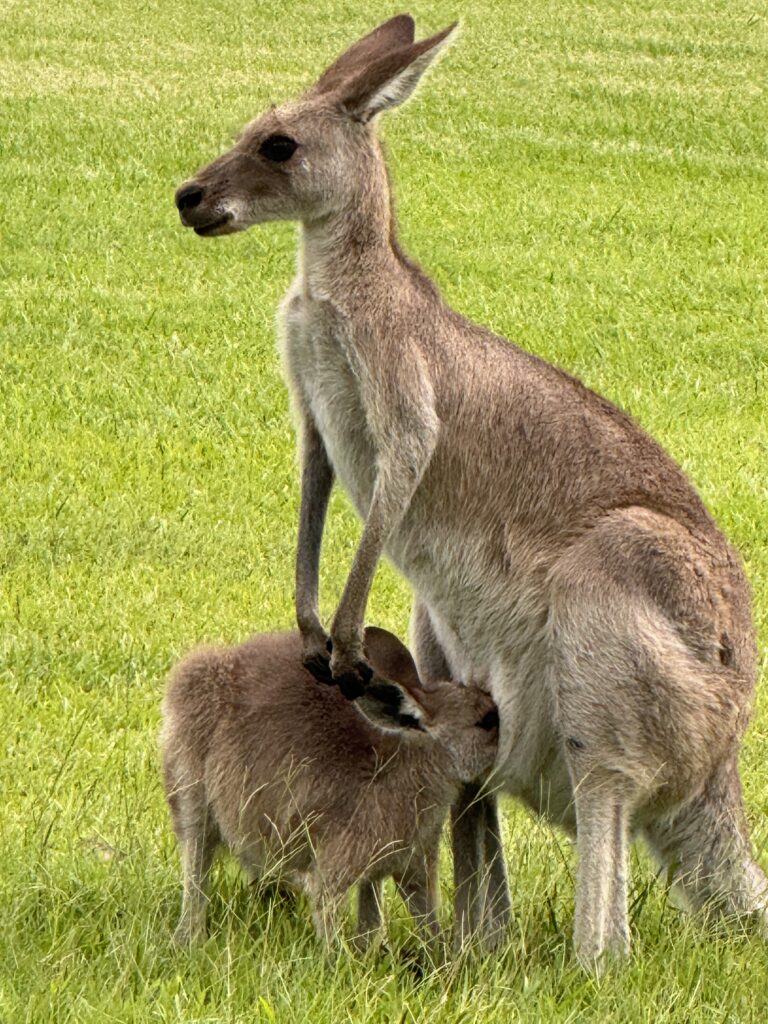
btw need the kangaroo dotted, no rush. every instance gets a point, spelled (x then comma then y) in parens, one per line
(555, 549)
(303, 784)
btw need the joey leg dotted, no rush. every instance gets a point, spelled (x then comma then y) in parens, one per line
(197, 845)
(417, 886)
(368, 913)
(325, 901)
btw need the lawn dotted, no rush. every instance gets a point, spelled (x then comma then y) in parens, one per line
(587, 179)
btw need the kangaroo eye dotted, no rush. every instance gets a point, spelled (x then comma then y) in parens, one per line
(278, 148)
(490, 720)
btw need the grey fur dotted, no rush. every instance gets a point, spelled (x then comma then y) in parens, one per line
(300, 785)
(556, 550)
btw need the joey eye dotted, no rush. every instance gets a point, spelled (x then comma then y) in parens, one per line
(278, 148)
(490, 720)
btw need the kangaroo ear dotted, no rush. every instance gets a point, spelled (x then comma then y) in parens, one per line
(390, 78)
(390, 658)
(392, 35)
(391, 707)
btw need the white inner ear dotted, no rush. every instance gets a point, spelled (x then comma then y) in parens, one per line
(409, 706)
(387, 718)
(398, 89)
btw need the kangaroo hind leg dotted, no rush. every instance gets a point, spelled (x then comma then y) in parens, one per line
(706, 848)
(481, 888)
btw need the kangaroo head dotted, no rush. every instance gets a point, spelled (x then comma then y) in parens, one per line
(463, 720)
(313, 157)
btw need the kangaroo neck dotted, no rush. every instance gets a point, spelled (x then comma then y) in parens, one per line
(349, 256)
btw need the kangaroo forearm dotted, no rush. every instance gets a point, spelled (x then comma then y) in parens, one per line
(316, 483)
(348, 620)
(399, 473)
(391, 497)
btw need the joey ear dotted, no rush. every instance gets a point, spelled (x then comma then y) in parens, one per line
(390, 658)
(391, 707)
(390, 78)
(392, 35)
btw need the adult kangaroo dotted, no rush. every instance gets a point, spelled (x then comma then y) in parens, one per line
(558, 554)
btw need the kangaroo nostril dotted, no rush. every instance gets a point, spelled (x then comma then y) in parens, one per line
(189, 196)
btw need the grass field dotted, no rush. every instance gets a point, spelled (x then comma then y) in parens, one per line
(589, 180)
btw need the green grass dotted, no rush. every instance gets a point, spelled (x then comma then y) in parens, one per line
(589, 180)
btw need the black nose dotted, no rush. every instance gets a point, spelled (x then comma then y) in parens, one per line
(189, 196)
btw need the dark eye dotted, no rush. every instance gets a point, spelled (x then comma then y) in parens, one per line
(490, 720)
(278, 148)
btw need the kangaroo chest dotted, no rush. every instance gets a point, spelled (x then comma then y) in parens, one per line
(320, 362)
(322, 375)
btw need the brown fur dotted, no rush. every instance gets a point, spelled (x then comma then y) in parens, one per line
(303, 787)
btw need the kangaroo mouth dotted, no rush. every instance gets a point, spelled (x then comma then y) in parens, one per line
(215, 227)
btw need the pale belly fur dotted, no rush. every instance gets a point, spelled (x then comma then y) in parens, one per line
(489, 618)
